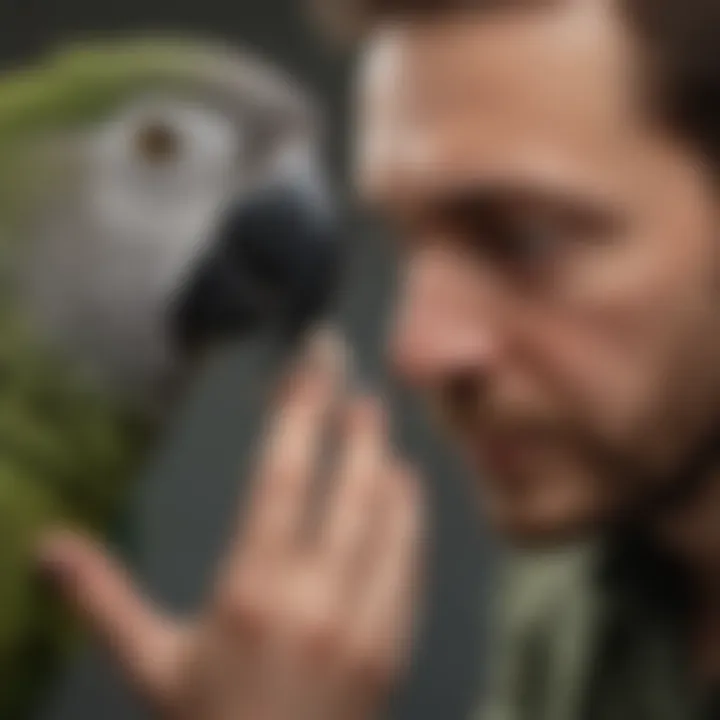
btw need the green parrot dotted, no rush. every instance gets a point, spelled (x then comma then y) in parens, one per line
(157, 195)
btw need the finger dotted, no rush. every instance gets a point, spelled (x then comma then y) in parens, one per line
(352, 503)
(292, 450)
(147, 645)
(387, 609)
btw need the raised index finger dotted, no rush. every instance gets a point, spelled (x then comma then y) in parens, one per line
(288, 462)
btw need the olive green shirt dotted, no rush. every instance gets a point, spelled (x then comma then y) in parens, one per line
(593, 633)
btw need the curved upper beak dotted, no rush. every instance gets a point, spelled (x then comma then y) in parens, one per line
(274, 260)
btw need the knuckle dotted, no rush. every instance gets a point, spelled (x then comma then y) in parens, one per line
(321, 636)
(275, 489)
(281, 475)
(366, 415)
(369, 667)
(244, 610)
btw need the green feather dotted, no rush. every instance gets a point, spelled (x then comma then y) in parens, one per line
(67, 454)
(80, 84)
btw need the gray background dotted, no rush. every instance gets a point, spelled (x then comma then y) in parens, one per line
(192, 488)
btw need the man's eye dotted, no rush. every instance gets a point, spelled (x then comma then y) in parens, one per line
(525, 245)
(537, 240)
(528, 242)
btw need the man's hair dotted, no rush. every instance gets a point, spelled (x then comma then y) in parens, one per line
(680, 40)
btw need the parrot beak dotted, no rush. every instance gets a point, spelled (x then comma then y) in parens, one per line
(274, 261)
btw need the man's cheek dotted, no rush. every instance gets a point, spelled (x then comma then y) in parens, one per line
(637, 383)
(602, 373)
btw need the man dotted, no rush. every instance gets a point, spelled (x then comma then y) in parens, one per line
(551, 170)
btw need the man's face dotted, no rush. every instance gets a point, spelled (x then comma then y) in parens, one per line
(560, 280)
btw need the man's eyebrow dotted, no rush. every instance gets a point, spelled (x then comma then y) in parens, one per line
(516, 192)
(491, 206)
(481, 199)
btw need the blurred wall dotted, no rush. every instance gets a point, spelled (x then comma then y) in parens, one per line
(189, 492)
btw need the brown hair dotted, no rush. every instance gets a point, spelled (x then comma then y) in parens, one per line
(681, 40)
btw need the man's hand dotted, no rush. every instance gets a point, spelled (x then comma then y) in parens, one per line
(312, 613)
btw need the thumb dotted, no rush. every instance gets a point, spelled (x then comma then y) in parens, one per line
(148, 646)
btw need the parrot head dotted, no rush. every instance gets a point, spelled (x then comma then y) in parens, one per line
(158, 196)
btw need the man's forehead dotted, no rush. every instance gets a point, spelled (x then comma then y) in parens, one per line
(501, 90)
(431, 46)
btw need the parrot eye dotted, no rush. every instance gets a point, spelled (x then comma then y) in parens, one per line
(166, 139)
(158, 143)
(162, 164)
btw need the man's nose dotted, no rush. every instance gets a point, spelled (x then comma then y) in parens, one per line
(443, 325)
